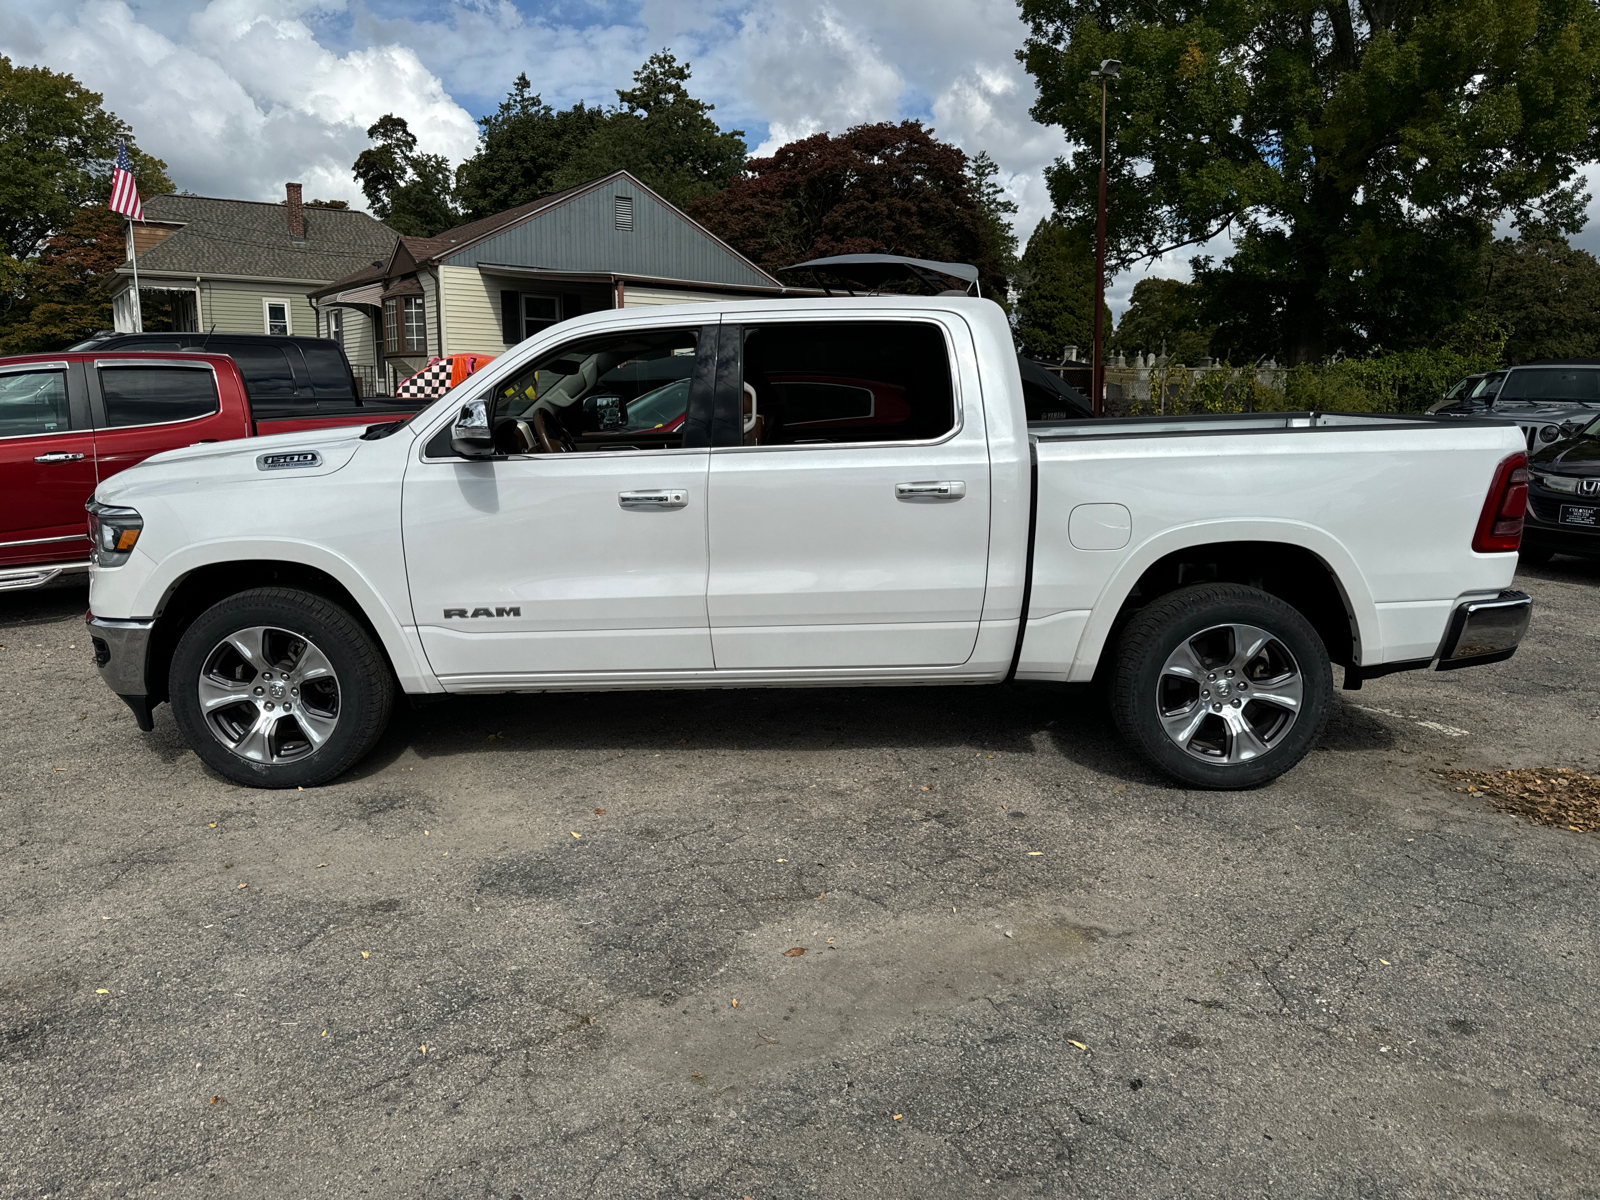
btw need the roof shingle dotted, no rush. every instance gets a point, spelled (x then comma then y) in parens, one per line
(249, 237)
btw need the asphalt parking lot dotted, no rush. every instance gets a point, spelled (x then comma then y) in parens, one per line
(502, 958)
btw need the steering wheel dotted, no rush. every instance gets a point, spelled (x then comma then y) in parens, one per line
(551, 435)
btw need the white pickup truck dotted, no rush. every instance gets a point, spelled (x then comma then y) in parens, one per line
(780, 493)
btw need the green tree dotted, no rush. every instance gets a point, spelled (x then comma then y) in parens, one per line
(407, 191)
(661, 134)
(1357, 152)
(57, 149)
(1545, 293)
(1164, 317)
(999, 241)
(521, 147)
(1055, 304)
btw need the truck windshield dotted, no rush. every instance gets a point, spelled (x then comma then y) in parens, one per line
(1564, 384)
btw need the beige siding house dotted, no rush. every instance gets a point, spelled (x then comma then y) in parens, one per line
(484, 286)
(243, 266)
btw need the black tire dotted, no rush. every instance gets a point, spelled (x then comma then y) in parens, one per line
(1535, 556)
(1150, 679)
(346, 705)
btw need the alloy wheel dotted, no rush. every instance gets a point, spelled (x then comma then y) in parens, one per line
(269, 695)
(1229, 693)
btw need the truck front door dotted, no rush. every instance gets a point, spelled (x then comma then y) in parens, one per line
(582, 547)
(850, 528)
(46, 464)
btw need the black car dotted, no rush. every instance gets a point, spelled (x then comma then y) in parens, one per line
(285, 375)
(1549, 400)
(1564, 498)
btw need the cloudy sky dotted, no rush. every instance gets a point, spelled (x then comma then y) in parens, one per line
(239, 96)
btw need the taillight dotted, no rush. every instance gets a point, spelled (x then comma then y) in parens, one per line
(1500, 526)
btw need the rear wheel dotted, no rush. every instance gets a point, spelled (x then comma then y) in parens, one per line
(280, 688)
(1221, 686)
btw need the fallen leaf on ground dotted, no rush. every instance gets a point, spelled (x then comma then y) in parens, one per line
(576, 834)
(794, 951)
(1035, 853)
(366, 954)
(897, 1116)
(217, 1100)
(102, 991)
(1079, 1045)
(599, 812)
(242, 885)
(927, 787)
(736, 1004)
(1386, 962)
(213, 825)
(1555, 796)
(423, 1048)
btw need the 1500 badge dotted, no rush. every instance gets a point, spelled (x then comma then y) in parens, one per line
(514, 611)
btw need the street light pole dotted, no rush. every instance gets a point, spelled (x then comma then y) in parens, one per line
(1109, 69)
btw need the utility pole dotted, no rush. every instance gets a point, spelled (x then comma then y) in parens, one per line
(1110, 68)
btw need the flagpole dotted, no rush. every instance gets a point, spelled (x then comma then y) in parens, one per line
(133, 256)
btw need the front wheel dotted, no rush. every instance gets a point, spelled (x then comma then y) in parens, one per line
(280, 688)
(1221, 686)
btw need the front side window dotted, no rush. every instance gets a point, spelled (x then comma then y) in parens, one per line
(618, 392)
(416, 332)
(846, 381)
(33, 402)
(141, 395)
(277, 313)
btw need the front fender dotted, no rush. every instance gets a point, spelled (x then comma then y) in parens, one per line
(393, 625)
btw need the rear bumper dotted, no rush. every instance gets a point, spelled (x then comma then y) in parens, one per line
(121, 652)
(1485, 631)
(1480, 631)
(32, 575)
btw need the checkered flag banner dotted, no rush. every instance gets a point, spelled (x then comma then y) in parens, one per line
(429, 383)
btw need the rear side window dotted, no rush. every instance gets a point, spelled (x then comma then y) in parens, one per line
(33, 402)
(266, 370)
(156, 395)
(330, 376)
(846, 381)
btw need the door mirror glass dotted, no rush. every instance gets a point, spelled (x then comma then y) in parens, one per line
(471, 435)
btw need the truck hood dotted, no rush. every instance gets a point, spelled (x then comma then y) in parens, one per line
(1574, 456)
(299, 455)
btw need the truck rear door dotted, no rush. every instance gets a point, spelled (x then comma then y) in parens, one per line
(849, 518)
(142, 406)
(46, 463)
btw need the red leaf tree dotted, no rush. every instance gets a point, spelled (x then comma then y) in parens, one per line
(885, 189)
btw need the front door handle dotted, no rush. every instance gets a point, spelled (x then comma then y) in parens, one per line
(947, 489)
(58, 456)
(654, 498)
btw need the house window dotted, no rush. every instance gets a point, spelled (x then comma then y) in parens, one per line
(415, 329)
(391, 327)
(624, 213)
(276, 313)
(336, 325)
(539, 312)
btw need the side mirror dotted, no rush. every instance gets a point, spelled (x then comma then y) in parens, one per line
(470, 436)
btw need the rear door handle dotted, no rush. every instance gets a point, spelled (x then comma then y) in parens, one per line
(947, 489)
(58, 456)
(654, 498)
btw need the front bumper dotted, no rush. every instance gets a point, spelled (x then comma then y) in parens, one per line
(121, 652)
(1485, 631)
(1542, 527)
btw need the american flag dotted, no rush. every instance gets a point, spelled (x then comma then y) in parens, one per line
(124, 192)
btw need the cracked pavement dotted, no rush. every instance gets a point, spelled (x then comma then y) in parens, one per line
(1031, 966)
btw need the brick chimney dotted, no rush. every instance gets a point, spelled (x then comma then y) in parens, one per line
(297, 214)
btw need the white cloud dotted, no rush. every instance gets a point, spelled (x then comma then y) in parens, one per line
(249, 99)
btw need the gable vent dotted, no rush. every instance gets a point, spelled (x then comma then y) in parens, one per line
(625, 213)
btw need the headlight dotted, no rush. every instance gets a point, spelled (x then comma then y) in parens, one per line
(1555, 483)
(114, 533)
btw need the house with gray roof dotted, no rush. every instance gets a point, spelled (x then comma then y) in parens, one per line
(484, 286)
(242, 266)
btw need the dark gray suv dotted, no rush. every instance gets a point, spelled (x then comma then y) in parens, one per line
(1549, 400)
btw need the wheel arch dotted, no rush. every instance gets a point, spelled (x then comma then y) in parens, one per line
(191, 589)
(1300, 565)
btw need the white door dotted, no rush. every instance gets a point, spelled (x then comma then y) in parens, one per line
(854, 530)
(586, 553)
